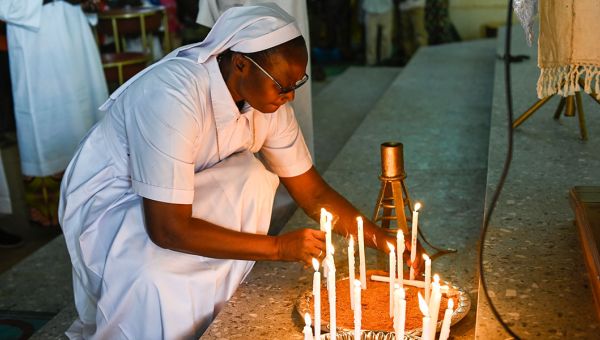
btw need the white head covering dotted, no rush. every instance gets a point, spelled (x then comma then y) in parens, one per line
(244, 29)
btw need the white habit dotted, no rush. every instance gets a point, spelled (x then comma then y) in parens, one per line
(174, 134)
(57, 81)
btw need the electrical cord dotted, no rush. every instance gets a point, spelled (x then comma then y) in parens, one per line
(507, 162)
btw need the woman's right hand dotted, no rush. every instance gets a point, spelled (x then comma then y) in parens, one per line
(301, 245)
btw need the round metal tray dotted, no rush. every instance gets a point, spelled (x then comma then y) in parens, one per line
(461, 308)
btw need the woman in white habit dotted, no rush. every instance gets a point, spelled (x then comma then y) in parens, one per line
(164, 207)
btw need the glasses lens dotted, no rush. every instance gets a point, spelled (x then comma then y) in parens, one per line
(295, 86)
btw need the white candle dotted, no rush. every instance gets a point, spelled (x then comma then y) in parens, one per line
(445, 332)
(426, 335)
(332, 298)
(351, 269)
(427, 277)
(400, 262)
(413, 239)
(328, 243)
(317, 298)
(434, 303)
(307, 331)
(392, 257)
(399, 311)
(357, 308)
(419, 284)
(361, 253)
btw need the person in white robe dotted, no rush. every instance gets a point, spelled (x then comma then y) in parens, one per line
(57, 83)
(165, 206)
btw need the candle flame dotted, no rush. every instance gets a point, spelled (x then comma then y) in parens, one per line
(450, 304)
(329, 216)
(426, 257)
(400, 235)
(423, 305)
(359, 220)
(351, 243)
(315, 264)
(391, 247)
(357, 283)
(417, 206)
(307, 319)
(436, 279)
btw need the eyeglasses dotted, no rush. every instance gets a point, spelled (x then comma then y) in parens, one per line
(282, 90)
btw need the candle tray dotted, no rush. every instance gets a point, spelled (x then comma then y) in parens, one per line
(369, 335)
(461, 309)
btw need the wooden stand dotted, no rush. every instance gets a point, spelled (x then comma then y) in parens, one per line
(585, 201)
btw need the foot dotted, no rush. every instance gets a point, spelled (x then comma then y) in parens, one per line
(8, 240)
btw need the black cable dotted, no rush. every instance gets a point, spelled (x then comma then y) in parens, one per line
(488, 213)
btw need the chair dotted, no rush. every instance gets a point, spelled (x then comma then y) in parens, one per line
(126, 23)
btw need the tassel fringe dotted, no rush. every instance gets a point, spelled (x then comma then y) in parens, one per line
(563, 80)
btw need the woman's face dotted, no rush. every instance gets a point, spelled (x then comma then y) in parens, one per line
(260, 91)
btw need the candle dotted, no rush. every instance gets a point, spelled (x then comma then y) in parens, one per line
(399, 311)
(317, 298)
(434, 303)
(351, 269)
(307, 331)
(427, 277)
(426, 335)
(328, 243)
(332, 298)
(419, 284)
(392, 261)
(357, 309)
(323, 219)
(445, 332)
(361, 253)
(413, 239)
(400, 262)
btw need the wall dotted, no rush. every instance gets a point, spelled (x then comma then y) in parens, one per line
(469, 16)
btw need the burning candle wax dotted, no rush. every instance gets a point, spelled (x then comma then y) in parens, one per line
(317, 297)
(427, 277)
(323, 219)
(392, 261)
(426, 335)
(413, 239)
(400, 262)
(351, 269)
(361, 253)
(307, 331)
(357, 308)
(445, 332)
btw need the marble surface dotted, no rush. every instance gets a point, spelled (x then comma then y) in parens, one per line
(533, 260)
(439, 108)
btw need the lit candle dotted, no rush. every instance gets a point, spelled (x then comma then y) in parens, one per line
(400, 262)
(426, 335)
(361, 253)
(322, 219)
(392, 261)
(434, 303)
(317, 298)
(332, 298)
(328, 243)
(307, 331)
(427, 277)
(413, 240)
(351, 269)
(399, 311)
(357, 309)
(445, 332)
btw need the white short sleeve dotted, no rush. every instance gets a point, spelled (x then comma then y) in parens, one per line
(284, 149)
(162, 131)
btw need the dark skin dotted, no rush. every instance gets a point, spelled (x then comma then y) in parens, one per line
(172, 226)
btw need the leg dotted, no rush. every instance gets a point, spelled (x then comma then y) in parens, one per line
(371, 38)
(387, 21)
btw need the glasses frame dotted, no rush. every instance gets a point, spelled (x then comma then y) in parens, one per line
(282, 90)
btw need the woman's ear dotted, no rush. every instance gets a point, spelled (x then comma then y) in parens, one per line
(239, 61)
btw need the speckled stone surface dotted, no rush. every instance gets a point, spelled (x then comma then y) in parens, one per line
(439, 108)
(533, 259)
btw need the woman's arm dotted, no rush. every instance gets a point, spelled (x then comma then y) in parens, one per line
(172, 226)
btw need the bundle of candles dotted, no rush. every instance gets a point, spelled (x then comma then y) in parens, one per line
(429, 304)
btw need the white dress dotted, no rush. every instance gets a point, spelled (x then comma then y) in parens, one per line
(57, 81)
(174, 135)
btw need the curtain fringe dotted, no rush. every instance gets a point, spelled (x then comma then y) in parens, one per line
(563, 80)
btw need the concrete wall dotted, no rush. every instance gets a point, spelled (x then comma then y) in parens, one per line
(469, 16)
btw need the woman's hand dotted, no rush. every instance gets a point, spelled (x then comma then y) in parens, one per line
(301, 245)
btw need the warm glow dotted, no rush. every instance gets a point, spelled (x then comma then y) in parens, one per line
(425, 257)
(351, 243)
(356, 283)
(315, 264)
(417, 206)
(450, 304)
(436, 279)
(359, 220)
(423, 305)
(307, 319)
(390, 247)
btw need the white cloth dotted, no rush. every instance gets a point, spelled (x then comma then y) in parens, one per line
(5, 203)
(173, 135)
(377, 6)
(210, 10)
(406, 5)
(57, 81)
